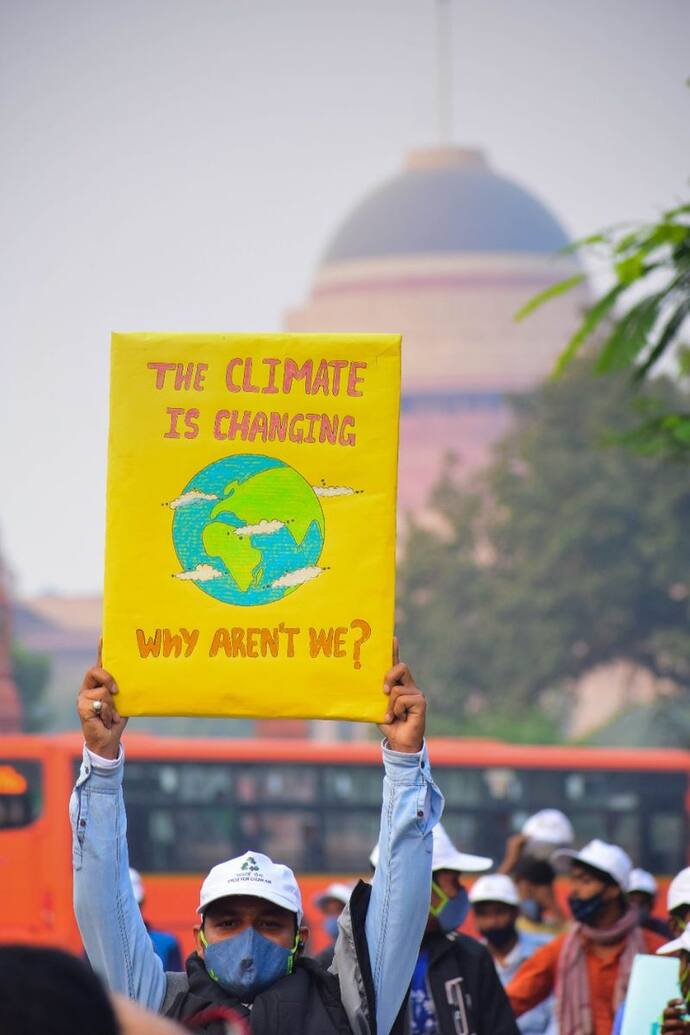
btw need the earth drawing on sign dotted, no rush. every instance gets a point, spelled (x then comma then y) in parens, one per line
(248, 530)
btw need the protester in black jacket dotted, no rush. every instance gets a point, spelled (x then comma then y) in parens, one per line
(467, 995)
(455, 989)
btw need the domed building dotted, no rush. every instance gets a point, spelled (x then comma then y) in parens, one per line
(445, 253)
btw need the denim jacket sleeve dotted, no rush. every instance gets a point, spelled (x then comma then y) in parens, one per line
(110, 922)
(401, 889)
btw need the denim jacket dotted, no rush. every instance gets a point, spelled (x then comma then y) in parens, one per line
(117, 942)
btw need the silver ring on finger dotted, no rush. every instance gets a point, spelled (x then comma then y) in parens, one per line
(97, 707)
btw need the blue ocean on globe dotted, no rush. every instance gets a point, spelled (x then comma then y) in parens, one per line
(244, 522)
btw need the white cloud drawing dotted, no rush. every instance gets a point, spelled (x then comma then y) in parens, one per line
(333, 490)
(298, 577)
(202, 573)
(262, 528)
(188, 498)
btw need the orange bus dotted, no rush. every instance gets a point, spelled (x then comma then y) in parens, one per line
(314, 806)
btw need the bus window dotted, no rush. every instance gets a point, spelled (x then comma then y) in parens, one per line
(270, 782)
(504, 784)
(352, 785)
(179, 815)
(462, 787)
(179, 782)
(21, 793)
(667, 842)
(290, 836)
(349, 837)
(179, 839)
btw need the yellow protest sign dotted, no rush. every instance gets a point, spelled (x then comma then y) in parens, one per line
(250, 548)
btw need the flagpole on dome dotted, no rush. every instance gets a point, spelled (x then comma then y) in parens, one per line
(444, 71)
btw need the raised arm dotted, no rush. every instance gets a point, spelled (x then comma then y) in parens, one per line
(110, 922)
(401, 889)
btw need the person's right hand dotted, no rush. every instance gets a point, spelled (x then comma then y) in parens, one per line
(103, 729)
(514, 848)
(673, 1023)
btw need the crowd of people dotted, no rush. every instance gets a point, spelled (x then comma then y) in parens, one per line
(398, 962)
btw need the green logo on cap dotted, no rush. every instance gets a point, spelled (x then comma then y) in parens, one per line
(250, 865)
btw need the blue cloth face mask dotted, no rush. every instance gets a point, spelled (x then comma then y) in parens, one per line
(246, 964)
(449, 912)
(330, 926)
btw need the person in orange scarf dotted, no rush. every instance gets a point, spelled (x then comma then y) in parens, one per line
(588, 968)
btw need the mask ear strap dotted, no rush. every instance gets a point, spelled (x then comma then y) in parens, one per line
(293, 953)
(443, 899)
(202, 938)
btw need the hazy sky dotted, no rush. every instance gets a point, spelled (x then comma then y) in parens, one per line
(180, 164)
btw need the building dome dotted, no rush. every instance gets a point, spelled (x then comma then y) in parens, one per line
(446, 201)
(446, 253)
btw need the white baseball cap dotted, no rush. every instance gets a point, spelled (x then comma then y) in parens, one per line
(137, 885)
(339, 891)
(642, 880)
(494, 887)
(610, 859)
(679, 943)
(252, 874)
(446, 856)
(549, 826)
(679, 890)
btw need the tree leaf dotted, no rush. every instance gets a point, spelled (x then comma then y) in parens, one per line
(633, 239)
(594, 316)
(630, 335)
(643, 242)
(630, 269)
(667, 233)
(603, 237)
(679, 210)
(671, 328)
(683, 359)
(560, 288)
(681, 431)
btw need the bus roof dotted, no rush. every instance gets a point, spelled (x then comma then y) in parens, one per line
(444, 751)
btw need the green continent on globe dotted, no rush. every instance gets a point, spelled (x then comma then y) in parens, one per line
(278, 494)
(238, 555)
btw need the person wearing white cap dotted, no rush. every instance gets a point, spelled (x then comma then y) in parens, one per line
(589, 967)
(251, 933)
(526, 860)
(678, 901)
(455, 986)
(330, 904)
(642, 892)
(165, 945)
(541, 835)
(496, 907)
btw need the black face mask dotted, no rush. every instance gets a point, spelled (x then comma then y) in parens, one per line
(499, 937)
(585, 910)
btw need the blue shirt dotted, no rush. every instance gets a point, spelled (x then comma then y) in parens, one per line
(422, 1010)
(113, 931)
(167, 948)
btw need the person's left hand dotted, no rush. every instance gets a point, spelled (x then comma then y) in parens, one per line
(405, 720)
(673, 1023)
